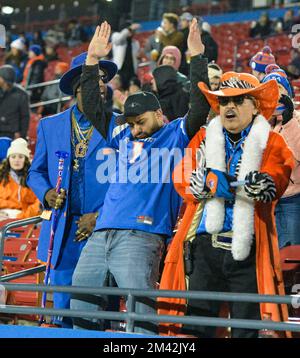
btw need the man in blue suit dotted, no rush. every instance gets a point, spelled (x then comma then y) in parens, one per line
(81, 199)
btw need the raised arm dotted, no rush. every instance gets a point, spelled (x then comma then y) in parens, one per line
(199, 107)
(92, 103)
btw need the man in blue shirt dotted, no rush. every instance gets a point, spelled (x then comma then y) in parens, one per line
(81, 198)
(141, 206)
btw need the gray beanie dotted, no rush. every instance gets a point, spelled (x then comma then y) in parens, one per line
(8, 73)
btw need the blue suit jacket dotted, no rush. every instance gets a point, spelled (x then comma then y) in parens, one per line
(54, 133)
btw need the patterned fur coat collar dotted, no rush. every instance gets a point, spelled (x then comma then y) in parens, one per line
(243, 212)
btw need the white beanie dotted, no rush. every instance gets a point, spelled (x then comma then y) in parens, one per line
(18, 146)
(18, 44)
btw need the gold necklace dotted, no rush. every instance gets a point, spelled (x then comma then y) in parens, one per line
(83, 137)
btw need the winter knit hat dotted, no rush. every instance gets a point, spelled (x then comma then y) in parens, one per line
(18, 44)
(262, 59)
(18, 146)
(174, 51)
(8, 73)
(278, 74)
(36, 49)
(274, 72)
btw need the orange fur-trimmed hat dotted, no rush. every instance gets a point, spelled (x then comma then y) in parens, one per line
(237, 84)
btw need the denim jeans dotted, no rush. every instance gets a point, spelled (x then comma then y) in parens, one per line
(62, 274)
(287, 213)
(131, 256)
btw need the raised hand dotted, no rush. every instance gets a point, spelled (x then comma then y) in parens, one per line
(194, 41)
(99, 46)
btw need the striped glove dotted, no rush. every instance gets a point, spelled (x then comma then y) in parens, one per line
(260, 186)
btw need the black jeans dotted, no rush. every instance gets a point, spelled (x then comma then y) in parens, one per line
(214, 269)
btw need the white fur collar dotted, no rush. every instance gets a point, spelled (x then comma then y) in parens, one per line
(243, 212)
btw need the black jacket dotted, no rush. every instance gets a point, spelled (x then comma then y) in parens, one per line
(173, 100)
(14, 112)
(211, 47)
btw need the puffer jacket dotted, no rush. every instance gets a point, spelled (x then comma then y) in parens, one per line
(15, 196)
(291, 134)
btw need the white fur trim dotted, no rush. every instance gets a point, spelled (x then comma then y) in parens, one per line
(215, 158)
(243, 212)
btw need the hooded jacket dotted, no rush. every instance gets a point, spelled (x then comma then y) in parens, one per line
(173, 100)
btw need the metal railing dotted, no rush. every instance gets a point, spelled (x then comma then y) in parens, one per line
(133, 295)
(130, 317)
(14, 225)
(61, 99)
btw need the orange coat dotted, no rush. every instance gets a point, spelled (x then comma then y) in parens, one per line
(278, 162)
(27, 202)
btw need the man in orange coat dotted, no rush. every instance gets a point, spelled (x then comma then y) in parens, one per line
(235, 246)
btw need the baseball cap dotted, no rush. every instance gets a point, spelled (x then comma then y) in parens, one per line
(137, 104)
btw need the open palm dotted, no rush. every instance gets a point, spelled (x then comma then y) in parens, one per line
(100, 45)
(194, 41)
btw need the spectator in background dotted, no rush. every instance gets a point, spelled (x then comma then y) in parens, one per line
(134, 86)
(262, 28)
(294, 66)
(171, 56)
(50, 52)
(211, 47)
(75, 34)
(185, 21)
(260, 61)
(286, 121)
(174, 101)
(170, 35)
(34, 71)
(14, 105)
(17, 58)
(152, 48)
(288, 20)
(53, 91)
(56, 35)
(17, 201)
(37, 39)
(214, 75)
(125, 52)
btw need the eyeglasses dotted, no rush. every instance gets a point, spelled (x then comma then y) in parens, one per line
(237, 100)
(103, 77)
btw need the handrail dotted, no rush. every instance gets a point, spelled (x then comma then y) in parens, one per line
(130, 316)
(23, 273)
(13, 225)
(203, 295)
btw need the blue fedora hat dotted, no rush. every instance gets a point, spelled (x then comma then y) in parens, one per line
(66, 81)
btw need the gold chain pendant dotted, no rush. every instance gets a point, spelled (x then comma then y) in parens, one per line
(81, 149)
(76, 165)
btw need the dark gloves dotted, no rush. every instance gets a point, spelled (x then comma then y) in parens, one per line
(211, 183)
(287, 114)
(260, 187)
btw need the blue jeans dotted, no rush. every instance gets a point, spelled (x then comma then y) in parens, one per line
(287, 214)
(131, 256)
(62, 274)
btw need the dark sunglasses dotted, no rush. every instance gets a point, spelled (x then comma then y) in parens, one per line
(103, 77)
(237, 100)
